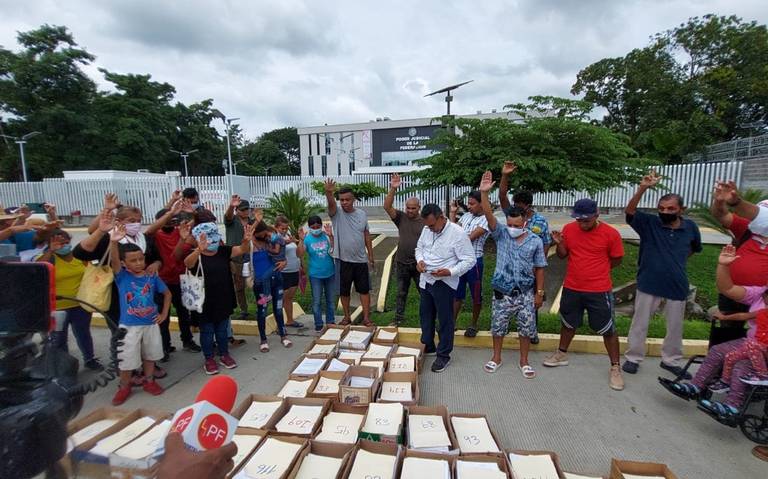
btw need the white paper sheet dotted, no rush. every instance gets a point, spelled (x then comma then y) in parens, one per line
(357, 337)
(360, 382)
(299, 419)
(368, 465)
(340, 427)
(478, 470)
(333, 334)
(271, 460)
(539, 466)
(420, 468)
(111, 443)
(146, 444)
(569, 475)
(258, 414)
(473, 435)
(327, 386)
(377, 351)
(427, 432)
(336, 365)
(309, 367)
(246, 443)
(384, 418)
(89, 432)
(319, 467)
(322, 349)
(396, 391)
(408, 351)
(403, 364)
(354, 355)
(385, 335)
(379, 365)
(295, 389)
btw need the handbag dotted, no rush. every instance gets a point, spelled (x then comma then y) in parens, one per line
(96, 285)
(249, 268)
(193, 288)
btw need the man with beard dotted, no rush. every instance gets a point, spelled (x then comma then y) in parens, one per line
(666, 242)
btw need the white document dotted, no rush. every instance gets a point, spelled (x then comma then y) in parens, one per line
(377, 351)
(569, 475)
(271, 460)
(385, 335)
(360, 382)
(319, 467)
(402, 364)
(322, 349)
(473, 435)
(89, 432)
(408, 351)
(336, 365)
(384, 418)
(396, 391)
(111, 443)
(146, 444)
(246, 443)
(333, 334)
(340, 427)
(354, 355)
(309, 367)
(374, 364)
(419, 468)
(369, 465)
(259, 414)
(295, 389)
(299, 419)
(478, 470)
(327, 386)
(538, 466)
(357, 337)
(427, 432)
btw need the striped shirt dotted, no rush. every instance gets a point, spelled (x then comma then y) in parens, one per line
(469, 223)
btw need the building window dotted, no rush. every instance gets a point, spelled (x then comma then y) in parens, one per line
(324, 165)
(338, 164)
(327, 145)
(317, 144)
(311, 164)
(351, 161)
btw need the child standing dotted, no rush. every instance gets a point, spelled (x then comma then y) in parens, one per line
(142, 345)
(318, 245)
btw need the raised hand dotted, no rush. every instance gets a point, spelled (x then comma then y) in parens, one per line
(185, 229)
(24, 211)
(302, 234)
(486, 183)
(176, 207)
(557, 237)
(330, 186)
(258, 215)
(726, 191)
(111, 201)
(234, 202)
(186, 206)
(106, 221)
(650, 180)
(50, 209)
(328, 229)
(202, 242)
(508, 168)
(117, 233)
(175, 196)
(727, 255)
(248, 235)
(395, 181)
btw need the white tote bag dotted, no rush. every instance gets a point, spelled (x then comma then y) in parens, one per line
(193, 288)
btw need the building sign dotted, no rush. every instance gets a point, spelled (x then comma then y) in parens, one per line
(402, 146)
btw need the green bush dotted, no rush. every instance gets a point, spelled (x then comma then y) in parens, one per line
(362, 191)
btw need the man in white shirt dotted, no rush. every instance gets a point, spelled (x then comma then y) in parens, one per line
(443, 254)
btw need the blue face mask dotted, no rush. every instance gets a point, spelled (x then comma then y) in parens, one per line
(64, 251)
(315, 232)
(213, 247)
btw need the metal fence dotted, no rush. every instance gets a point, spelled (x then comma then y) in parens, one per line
(741, 149)
(693, 181)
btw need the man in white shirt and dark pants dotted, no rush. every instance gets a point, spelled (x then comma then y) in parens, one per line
(443, 254)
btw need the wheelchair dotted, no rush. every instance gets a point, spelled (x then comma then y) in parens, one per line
(752, 418)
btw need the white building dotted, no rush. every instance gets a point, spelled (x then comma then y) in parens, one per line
(380, 146)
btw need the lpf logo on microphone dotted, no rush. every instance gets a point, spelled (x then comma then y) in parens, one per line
(212, 431)
(183, 421)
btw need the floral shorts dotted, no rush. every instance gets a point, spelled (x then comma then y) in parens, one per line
(517, 305)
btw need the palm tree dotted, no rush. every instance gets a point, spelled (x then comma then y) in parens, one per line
(291, 204)
(701, 210)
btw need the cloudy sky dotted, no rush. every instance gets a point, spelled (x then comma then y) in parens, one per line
(304, 63)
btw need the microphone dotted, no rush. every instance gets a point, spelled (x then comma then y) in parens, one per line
(206, 424)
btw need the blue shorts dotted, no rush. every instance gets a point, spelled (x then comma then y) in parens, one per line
(474, 279)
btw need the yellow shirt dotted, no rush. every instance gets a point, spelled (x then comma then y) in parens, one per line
(69, 274)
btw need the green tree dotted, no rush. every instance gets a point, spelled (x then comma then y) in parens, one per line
(275, 153)
(291, 204)
(362, 191)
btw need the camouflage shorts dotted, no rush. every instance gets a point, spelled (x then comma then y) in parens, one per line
(521, 307)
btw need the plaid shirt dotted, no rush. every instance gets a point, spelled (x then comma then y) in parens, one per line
(540, 227)
(469, 223)
(515, 261)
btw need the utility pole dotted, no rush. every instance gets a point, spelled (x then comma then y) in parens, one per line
(184, 155)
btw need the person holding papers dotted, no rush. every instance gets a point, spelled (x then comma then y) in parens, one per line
(443, 254)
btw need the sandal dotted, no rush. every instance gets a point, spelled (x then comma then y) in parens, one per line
(264, 348)
(528, 371)
(295, 324)
(491, 366)
(286, 342)
(470, 332)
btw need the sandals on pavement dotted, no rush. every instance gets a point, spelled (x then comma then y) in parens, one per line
(491, 367)
(286, 342)
(295, 324)
(528, 371)
(264, 348)
(470, 332)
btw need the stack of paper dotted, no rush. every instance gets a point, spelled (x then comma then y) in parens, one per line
(299, 419)
(360, 381)
(402, 364)
(377, 351)
(295, 389)
(356, 339)
(408, 351)
(245, 443)
(379, 365)
(427, 433)
(327, 386)
(258, 414)
(354, 355)
(336, 365)
(368, 465)
(271, 460)
(478, 470)
(88, 432)
(309, 367)
(539, 466)
(396, 391)
(340, 427)
(333, 334)
(473, 435)
(385, 335)
(147, 444)
(419, 468)
(110, 443)
(322, 349)
(319, 467)
(384, 418)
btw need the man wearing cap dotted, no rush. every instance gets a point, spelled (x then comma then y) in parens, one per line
(236, 219)
(666, 242)
(592, 248)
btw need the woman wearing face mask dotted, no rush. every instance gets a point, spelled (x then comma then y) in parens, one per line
(219, 290)
(318, 244)
(267, 260)
(68, 275)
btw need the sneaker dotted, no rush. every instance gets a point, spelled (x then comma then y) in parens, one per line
(616, 380)
(160, 373)
(719, 386)
(153, 388)
(440, 364)
(629, 367)
(192, 347)
(210, 367)
(228, 362)
(121, 395)
(558, 358)
(755, 380)
(94, 365)
(430, 351)
(676, 370)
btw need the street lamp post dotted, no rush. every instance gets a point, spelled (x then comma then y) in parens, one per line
(184, 155)
(21, 141)
(227, 125)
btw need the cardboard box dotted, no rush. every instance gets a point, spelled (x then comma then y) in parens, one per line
(411, 378)
(325, 329)
(378, 340)
(322, 342)
(359, 395)
(145, 467)
(384, 438)
(343, 408)
(499, 459)
(490, 428)
(376, 448)
(242, 408)
(345, 344)
(327, 449)
(441, 411)
(116, 414)
(335, 375)
(419, 346)
(619, 467)
(376, 364)
(324, 404)
(311, 380)
(294, 375)
(416, 364)
(241, 455)
(450, 459)
(521, 452)
(239, 472)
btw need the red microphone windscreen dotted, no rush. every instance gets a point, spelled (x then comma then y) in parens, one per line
(221, 391)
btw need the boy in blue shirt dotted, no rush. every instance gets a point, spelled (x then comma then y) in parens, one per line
(142, 345)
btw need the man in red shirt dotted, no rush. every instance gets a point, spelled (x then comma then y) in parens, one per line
(592, 248)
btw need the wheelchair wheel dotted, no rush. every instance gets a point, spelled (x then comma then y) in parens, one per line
(755, 428)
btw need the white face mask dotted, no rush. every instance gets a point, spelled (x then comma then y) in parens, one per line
(515, 232)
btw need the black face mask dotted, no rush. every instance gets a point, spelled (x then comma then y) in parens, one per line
(168, 229)
(668, 218)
